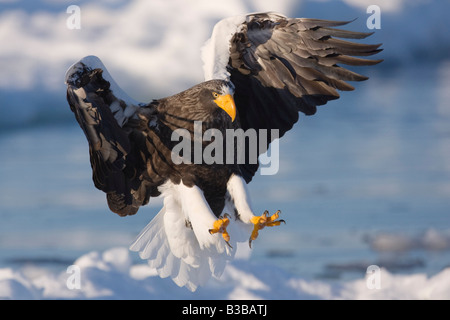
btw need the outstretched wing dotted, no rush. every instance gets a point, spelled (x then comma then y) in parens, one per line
(119, 147)
(281, 66)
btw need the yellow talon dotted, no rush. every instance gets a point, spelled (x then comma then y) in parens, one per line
(264, 221)
(220, 226)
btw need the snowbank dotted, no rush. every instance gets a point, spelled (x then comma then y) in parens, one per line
(112, 275)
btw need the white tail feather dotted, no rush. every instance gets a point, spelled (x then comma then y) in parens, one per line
(172, 247)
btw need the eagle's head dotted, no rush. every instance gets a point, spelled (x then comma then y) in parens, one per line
(216, 98)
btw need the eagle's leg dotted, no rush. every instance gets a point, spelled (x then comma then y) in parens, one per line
(220, 226)
(239, 198)
(264, 221)
(203, 221)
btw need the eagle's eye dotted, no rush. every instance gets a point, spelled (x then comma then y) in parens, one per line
(215, 95)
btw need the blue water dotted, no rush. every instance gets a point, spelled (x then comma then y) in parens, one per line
(376, 161)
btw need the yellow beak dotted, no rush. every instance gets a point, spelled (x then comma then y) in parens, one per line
(226, 102)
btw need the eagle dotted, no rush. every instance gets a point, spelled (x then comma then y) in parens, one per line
(260, 70)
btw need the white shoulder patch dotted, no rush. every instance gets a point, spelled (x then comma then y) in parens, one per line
(94, 62)
(122, 114)
(216, 51)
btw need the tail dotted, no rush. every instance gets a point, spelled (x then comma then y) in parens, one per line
(174, 251)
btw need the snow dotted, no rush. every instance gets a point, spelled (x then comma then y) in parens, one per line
(112, 275)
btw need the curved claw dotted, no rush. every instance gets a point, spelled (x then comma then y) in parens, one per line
(220, 226)
(264, 221)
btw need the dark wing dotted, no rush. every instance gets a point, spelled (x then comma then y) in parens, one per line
(281, 66)
(119, 147)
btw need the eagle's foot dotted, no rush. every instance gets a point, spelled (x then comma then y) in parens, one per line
(264, 221)
(220, 226)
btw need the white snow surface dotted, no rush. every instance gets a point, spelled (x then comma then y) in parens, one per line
(112, 275)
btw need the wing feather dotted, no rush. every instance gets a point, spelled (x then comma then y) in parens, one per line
(117, 130)
(281, 66)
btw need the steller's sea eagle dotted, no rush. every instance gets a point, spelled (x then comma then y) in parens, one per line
(260, 71)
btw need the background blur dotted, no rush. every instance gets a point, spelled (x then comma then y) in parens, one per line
(365, 181)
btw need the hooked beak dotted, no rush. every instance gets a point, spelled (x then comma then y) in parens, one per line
(226, 102)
